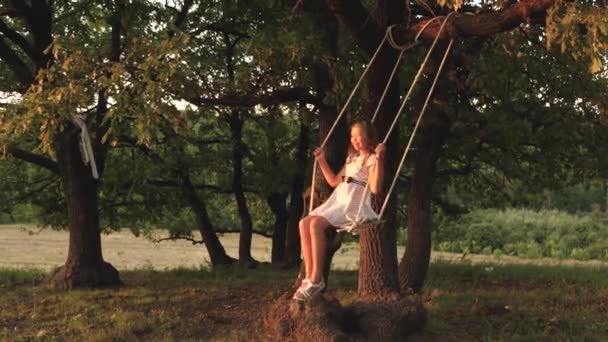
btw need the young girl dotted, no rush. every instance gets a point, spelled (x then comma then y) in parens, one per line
(362, 166)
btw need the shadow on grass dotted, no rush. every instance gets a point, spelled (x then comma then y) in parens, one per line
(465, 302)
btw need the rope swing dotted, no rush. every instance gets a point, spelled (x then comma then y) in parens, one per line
(357, 224)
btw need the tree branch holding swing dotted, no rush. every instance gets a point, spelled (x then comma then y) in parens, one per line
(354, 16)
(482, 24)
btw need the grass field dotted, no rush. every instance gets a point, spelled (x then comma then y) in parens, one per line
(465, 302)
(48, 248)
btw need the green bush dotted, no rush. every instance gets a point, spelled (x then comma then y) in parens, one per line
(526, 233)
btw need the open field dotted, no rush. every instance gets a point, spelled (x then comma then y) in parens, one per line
(28, 247)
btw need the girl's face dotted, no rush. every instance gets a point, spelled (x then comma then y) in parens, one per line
(358, 138)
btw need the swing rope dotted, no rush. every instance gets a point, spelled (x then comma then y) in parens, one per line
(398, 114)
(392, 42)
(350, 97)
(407, 148)
(388, 36)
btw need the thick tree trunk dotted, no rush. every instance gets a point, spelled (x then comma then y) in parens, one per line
(378, 259)
(238, 151)
(296, 203)
(84, 266)
(433, 133)
(217, 253)
(277, 204)
(336, 145)
(415, 261)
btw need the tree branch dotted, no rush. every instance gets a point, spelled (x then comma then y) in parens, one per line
(219, 29)
(183, 13)
(179, 237)
(9, 12)
(39, 18)
(175, 184)
(276, 97)
(355, 17)
(482, 24)
(17, 66)
(198, 242)
(33, 158)
(20, 41)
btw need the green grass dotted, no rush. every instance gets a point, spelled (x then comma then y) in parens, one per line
(518, 302)
(10, 278)
(465, 302)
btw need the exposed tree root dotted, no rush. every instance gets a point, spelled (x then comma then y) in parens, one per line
(323, 318)
(75, 275)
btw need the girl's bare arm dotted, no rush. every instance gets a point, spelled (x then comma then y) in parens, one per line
(376, 174)
(330, 177)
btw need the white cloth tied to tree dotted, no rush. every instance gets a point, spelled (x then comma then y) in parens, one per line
(86, 149)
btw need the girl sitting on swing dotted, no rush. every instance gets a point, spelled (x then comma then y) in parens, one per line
(346, 205)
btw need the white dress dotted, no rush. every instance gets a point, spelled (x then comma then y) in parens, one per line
(342, 208)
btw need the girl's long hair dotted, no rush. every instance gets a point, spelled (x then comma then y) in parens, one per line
(370, 134)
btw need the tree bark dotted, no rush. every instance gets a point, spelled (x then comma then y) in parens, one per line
(378, 250)
(335, 147)
(415, 261)
(217, 253)
(277, 204)
(482, 24)
(238, 151)
(354, 16)
(378, 259)
(296, 202)
(84, 266)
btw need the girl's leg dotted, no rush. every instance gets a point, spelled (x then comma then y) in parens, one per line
(318, 226)
(305, 243)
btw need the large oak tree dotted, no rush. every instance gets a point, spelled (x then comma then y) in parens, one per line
(94, 68)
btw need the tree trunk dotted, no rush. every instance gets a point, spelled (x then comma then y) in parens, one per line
(217, 253)
(381, 314)
(238, 151)
(336, 145)
(296, 202)
(84, 266)
(415, 262)
(378, 251)
(277, 204)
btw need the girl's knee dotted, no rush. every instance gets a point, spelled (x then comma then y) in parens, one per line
(304, 222)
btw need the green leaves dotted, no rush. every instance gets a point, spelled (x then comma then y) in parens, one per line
(138, 88)
(527, 233)
(581, 30)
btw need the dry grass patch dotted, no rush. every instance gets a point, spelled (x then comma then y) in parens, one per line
(465, 303)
